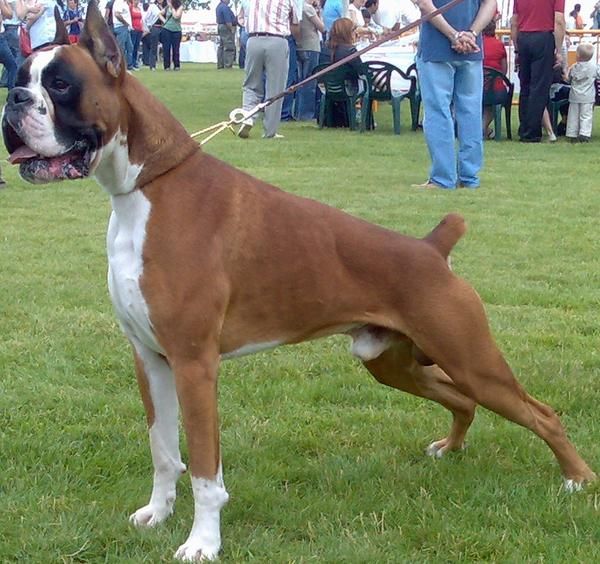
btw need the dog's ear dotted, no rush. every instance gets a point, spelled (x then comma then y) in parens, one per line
(98, 39)
(61, 37)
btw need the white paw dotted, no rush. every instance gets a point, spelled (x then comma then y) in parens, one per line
(437, 449)
(192, 551)
(150, 515)
(572, 486)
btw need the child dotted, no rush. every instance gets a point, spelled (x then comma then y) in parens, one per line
(582, 95)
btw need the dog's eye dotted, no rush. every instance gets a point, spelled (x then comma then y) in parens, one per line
(59, 85)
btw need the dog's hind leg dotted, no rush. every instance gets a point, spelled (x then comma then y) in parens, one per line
(457, 336)
(157, 388)
(397, 367)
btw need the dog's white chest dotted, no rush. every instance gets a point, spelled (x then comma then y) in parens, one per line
(125, 243)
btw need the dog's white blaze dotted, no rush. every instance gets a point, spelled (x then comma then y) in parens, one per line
(204, 540)
(115, 173)
(38, 126)
(125, 242)
(164, 439)
(251, 349)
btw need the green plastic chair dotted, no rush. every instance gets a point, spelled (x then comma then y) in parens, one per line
(415, 100)
(380, 75)
(337, 88)
(498, 99)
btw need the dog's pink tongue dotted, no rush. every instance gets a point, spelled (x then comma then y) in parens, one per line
(21, 154)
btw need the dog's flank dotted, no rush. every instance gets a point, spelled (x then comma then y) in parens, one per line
(207, 262)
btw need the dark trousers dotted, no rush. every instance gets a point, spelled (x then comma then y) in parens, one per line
(171, 41)
(150, 47)
(11, 34)
(136, 37)
(536, 59)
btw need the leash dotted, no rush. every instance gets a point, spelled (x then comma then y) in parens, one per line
(239, 115)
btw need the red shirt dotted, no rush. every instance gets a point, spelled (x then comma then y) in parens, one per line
(136, 18)
(494, 53)
(537, 15)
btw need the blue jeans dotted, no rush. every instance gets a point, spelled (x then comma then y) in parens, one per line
(136, 37)
(305, 97)
(124, 40)
(292, 78)
(452, 92)
(7, 59)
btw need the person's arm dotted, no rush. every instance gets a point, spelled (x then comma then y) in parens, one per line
(318, 23)
(559, 32)
(176, 14)
(487, 11)
(504, 64)
(514, 30)
(5, 10)
(26, 12)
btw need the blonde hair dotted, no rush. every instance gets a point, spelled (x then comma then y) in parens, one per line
(585, 51)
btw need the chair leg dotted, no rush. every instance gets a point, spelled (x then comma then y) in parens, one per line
(497, 123)
(351, 113)
(322, 112)
(396, 115)
(508, 112)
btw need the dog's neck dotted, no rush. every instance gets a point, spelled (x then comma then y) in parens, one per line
(149, 142)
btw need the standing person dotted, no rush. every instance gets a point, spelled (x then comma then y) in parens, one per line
(6, 56)
(307, 54)
(334, 10)
(269, 22)
(171, 34)
(121, 27)
(39, 18)
(595, 15)
(451, 78)
(73, 18)
(241, 20)
(11, 35)
(226, 22)
(152, 17)
(577, 20)
(135, 32)
(537, 31)
(582, 95)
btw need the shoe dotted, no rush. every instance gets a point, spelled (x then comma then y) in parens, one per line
(244, 130)
(276, 136)
(530, 140)
(552, 138)
(430, 184)
(468, 186)
(573, 139)
(176, 69)
(584, 139)
(2, 182)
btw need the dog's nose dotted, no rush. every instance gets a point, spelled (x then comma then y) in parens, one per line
(19, 98)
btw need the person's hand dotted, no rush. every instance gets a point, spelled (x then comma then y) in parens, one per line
(465, 42)
(558, 58)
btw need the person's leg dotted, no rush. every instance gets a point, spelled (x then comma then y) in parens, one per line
(166, 39)
(305, 97)
(153, 47)
(276, 69)
(437, 86)
(243, 42)
(7, 59)
(468, 91)
(253, 88)
(176, 43)
(128, 50)
(135, 45)
(221, 46)
(229, 52)
(573, 121)
(547, 125)
(586, 117)
(541, 61)
(292, 78)
(524, 78)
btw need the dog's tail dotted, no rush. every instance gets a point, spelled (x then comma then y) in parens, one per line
(447, 233)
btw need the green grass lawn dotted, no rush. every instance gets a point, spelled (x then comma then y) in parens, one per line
(322, 464)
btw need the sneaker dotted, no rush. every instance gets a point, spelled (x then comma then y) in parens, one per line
(429, 184)
(244, 130)
(276, 136)
(552, 138)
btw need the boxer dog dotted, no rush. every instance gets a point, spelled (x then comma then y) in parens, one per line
(207, 263)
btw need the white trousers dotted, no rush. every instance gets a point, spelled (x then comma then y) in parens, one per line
(579, 120)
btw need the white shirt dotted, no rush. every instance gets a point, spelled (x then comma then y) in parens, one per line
(121, 8)
(356, 16)
(150, 16)
(43, 29)
(271, 16)
(391, 12)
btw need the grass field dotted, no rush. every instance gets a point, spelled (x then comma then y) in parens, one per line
(322, 464)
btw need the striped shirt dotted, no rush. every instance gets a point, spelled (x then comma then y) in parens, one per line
(271, 16)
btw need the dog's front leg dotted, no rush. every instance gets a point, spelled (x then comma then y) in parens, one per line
(157, 388)
(196, 383)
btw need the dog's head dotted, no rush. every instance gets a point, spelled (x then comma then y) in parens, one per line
(66, 106)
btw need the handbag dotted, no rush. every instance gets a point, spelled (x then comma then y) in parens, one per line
(24, 41)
